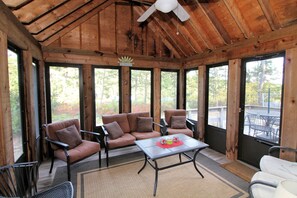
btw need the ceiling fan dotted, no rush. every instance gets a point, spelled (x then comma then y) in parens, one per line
(166, 6)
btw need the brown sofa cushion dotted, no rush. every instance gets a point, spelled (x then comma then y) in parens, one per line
(186, 131)
(121, 119)
(114, 130)
(69, 136)
(178, 122)
(132, 118)
(175, 112)
(144, 124)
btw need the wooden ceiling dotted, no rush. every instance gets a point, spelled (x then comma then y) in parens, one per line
(111, 26)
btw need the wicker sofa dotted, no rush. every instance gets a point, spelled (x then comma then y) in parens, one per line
(122, 130)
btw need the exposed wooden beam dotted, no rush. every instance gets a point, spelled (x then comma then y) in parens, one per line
(240, 21)
(269, 14)
(201, 101)
(167, 40)
(193, 21)
(73, 22)
(28, 19)
(48, 51)
(19, 6)
(51, 18)
(17, 33)
(222, 33)
(274, 41)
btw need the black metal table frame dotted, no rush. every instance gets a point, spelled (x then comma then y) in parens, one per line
(157, 168)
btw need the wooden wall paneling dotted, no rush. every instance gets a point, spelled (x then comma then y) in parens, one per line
(233, 103)
(125, 89)
(139, 34)
(6, 144)
(88, 98)
(289, 116)
(201, 101)
(108, 29)
(17, 33)
(30, 130)
(72, 39)
(89, 34)
(124, 29)
(157, 97)
(42, 105)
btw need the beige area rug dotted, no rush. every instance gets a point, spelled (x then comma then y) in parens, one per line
(241, 170)
(178, 182)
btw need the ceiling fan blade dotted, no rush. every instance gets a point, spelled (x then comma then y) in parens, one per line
(181, 13)
(147, 13)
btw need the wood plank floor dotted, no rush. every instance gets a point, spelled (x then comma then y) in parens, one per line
(46, 179)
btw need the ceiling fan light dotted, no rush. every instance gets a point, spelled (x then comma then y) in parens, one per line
(166, 6)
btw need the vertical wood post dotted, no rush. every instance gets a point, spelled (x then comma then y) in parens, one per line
(6, 145)
(181, 104)
(233, 109)
(42, 100)
(30, 130)
(289, 116)
(201, 101)
(88, 98)
(125, 89)
(157, 97)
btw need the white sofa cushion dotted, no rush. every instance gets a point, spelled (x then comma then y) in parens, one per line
(279, 167)
(260, 190)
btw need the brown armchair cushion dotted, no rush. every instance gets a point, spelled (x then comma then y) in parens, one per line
(114, 130)
(144, 124)
(178, 122)
(70, 136)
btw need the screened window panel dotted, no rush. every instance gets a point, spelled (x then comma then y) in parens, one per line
(192, 94)
(169, 82)
(107, 93)
(15, 104)
(141, 90)
(65, 94)
(217, 96)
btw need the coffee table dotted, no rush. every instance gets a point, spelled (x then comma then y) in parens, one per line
(152, 152)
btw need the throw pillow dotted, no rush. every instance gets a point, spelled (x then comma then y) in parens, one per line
(114, 130)
(178, 122)
(69, 136)
(144, 124)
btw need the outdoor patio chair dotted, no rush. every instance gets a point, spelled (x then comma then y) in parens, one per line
(67, 144)
(19, 180)
(176, 122)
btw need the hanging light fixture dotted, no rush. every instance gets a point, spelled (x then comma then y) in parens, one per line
(166, 5)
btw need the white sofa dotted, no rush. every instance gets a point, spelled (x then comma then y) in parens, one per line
(273, 171)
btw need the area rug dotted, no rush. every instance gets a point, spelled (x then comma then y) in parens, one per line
(240, 170)
(121, 179)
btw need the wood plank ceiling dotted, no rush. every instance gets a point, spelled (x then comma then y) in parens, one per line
(111, 26)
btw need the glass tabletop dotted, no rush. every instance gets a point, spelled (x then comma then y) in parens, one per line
(153, 151)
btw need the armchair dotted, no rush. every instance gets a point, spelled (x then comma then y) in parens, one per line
(67, 145)
(176, 122)
(19, 180)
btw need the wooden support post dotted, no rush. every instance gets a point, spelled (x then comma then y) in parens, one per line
(88, 98)
(125, 89)
(30, 130)
(233, 108)
(157, 97)
(181, 104)
(6, 145)
(201, 101)
(43, 110)
(289, 116)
